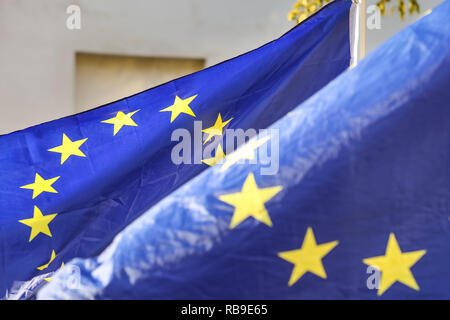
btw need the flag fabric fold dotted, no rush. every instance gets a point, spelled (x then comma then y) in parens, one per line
(359, 208)
(69, 186)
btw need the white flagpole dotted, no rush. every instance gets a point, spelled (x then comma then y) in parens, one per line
(354, 26)
(357, 32)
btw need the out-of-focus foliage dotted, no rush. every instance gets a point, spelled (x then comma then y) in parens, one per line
(413, 6)
(304, 8)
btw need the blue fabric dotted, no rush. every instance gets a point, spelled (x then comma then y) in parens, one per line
(365, 157)
(121, 176)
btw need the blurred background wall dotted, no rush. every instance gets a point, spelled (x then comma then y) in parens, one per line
(125, 46)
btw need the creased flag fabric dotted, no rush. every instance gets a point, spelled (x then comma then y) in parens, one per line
(359, 209)
(67, 187)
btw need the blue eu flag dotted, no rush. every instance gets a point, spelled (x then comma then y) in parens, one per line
(359, 208)
(70, 185)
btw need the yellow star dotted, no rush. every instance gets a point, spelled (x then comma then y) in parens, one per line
(41, 185)
(50, 278)
(308, 258)
(216, 129)
(247, 151)
(180, 106)
(395, 265)
(250, 202)
(219, 156)
(121, 119)
(69, 148)
(45, 266)
(39, 223)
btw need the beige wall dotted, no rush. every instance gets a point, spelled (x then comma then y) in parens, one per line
(38, 70)
(105, 78)
(41, 80)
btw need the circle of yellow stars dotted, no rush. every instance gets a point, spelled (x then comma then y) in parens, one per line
(39, 223)
(249, 202)
(395, 265)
